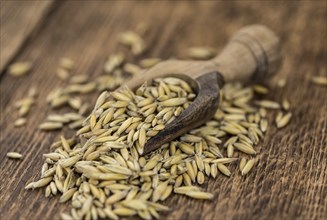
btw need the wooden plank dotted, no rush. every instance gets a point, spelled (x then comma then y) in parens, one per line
(290, 178)
(18, 20)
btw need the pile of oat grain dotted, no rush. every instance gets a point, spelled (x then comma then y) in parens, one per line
(100, 169)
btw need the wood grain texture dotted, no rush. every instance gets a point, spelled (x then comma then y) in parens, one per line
(289, 181)
(18, 21)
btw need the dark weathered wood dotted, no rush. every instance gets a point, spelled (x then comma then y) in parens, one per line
(18, 20)
(290, 178)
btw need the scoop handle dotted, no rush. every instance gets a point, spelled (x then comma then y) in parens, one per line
(253, 53)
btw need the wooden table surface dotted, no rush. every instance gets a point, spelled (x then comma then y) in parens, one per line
(290, 179)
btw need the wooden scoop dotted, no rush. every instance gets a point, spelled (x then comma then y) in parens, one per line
(253, 53)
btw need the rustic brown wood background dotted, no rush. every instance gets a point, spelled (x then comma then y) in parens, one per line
(290, 179)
